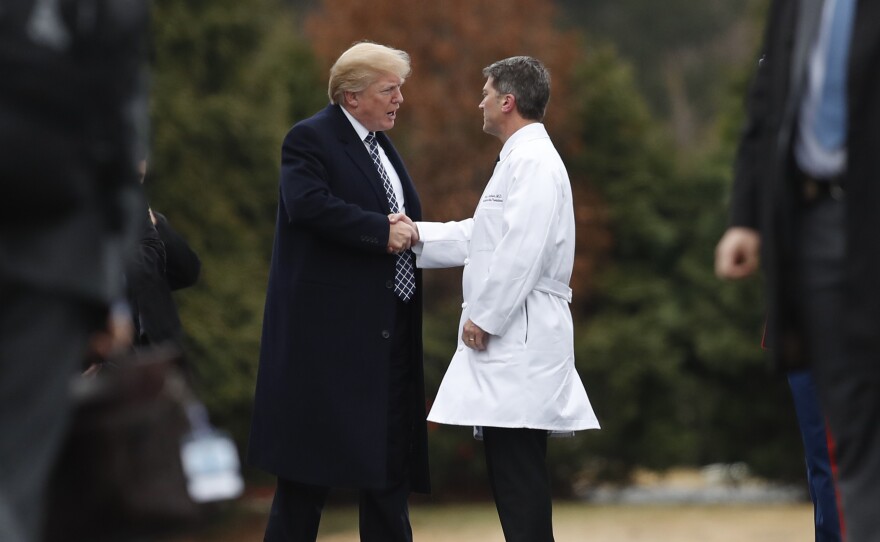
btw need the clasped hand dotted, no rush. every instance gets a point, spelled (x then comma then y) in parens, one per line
(403, 233)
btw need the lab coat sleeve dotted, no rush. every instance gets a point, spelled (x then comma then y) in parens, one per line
(443, 244)
(530, 219)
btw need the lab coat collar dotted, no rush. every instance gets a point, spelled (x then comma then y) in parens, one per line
(529, 132)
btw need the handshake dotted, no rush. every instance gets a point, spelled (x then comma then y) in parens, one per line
(403, 234)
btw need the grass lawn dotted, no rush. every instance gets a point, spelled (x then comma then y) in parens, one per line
(573, 522)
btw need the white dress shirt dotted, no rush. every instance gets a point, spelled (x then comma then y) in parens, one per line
(386, 163)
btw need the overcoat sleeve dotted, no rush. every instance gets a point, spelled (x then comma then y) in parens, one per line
(311, 201)
(756, 144)
(747, 166)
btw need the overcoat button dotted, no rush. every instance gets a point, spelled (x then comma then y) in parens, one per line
(389, 284)
(385, 333)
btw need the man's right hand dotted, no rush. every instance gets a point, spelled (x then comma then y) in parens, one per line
(394, 218)
(400, 237)
(738, 253)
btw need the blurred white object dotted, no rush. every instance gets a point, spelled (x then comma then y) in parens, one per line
(210, 461)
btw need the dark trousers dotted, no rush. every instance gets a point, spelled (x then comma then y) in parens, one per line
(296, 513)
(43, 339)
(820, 475)
(848, 388)
(516, 463)
(384, 513)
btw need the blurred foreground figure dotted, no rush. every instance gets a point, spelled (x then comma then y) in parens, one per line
(68, 195)
(812, 210)
(340, 398)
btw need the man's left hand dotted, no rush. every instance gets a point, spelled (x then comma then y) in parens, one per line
(473, 336)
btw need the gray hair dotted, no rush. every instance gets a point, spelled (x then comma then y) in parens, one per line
(527, 79)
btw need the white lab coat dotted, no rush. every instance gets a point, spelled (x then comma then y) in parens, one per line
(517, 252)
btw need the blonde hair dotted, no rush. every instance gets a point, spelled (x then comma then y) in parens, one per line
(363, 63)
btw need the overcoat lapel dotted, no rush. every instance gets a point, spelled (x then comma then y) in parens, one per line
(355, 150)
(809, 13)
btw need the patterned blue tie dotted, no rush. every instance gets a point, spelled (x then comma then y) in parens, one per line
(404, 275)
(830, 123)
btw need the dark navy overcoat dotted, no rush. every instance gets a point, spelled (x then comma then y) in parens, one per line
(320, 406)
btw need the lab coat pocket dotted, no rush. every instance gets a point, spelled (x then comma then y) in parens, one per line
(488, 225)
(507, 347)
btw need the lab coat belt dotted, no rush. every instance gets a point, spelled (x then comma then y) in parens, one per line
(554, 287)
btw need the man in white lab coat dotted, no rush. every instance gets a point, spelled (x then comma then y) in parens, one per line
(513, 375)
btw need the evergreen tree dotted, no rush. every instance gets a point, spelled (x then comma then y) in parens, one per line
(669, 354)
(229, 78)
(681, 51)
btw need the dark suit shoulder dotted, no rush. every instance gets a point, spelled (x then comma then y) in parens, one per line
(330, 120)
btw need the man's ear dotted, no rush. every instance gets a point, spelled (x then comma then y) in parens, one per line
(508, 103)
(351, 98)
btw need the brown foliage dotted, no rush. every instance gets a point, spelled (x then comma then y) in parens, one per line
(439, 130)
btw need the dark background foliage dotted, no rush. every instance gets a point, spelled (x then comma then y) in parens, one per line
(646, 107)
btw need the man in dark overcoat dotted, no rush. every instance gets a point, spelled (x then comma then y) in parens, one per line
(339, 399)
(71, 88)
(811, 208)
